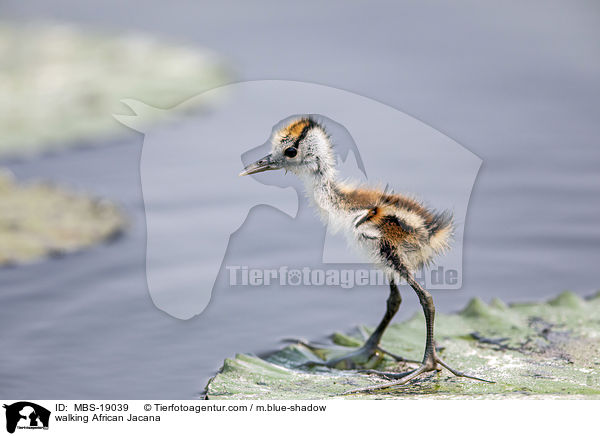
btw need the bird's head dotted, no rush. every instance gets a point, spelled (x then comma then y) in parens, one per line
(302, 147)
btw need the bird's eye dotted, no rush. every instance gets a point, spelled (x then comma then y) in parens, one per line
(290, 152)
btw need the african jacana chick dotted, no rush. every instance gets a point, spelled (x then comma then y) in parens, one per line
(396, 232)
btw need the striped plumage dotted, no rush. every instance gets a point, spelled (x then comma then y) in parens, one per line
(396, 232)
(415, 233)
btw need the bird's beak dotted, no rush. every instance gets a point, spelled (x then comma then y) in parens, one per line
(264, 164)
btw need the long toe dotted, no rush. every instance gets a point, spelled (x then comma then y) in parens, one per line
(386, 374)
(396, 357)
(406, 377)
(364, 357)
(459, 373)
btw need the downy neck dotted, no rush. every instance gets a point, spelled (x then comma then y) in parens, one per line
(322, 189)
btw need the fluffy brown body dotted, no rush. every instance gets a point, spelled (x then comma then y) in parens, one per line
(401, 224)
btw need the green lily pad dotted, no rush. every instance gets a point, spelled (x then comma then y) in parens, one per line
(60, 85)
(39, 220)
(537, 350)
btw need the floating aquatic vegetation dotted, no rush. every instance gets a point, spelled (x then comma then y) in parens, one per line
(60, 85)
(39, 220)
(537, 350)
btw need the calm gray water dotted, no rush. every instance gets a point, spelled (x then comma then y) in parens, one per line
(517, 85)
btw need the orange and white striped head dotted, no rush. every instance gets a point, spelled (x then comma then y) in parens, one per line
(302, 147)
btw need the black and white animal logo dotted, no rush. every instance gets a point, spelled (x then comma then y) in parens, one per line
(26, 415)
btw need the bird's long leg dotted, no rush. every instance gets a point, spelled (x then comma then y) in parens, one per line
(430, 359)
(371, 346)
(393, 304)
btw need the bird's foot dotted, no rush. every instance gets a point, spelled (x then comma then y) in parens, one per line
(367, 356)
(433, 363)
